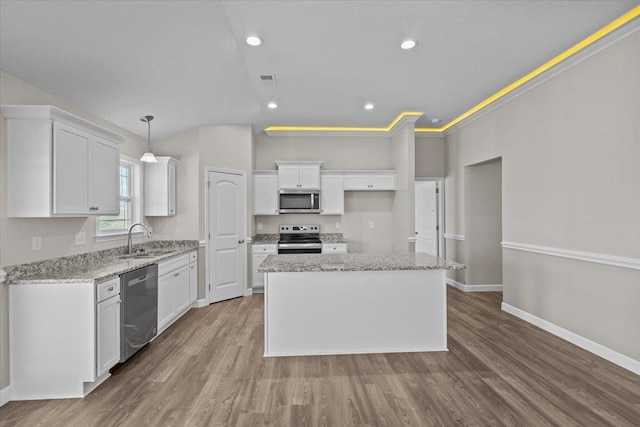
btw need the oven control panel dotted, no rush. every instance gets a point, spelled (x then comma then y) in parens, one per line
(299, 228)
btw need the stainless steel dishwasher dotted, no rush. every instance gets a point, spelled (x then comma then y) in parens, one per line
(139, 310)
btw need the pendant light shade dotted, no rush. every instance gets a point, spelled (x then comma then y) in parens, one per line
(148, 157)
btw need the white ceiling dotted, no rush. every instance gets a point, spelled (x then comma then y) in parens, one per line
(186, 62)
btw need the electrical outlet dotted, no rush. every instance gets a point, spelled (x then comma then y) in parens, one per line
(81, 238)
(337, 226)
(371, 225)
(36, 243)
(259, 226)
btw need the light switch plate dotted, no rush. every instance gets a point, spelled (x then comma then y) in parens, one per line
(81, 238)
(36, 243)
(337, 226)
(371, 224)
(259, 226)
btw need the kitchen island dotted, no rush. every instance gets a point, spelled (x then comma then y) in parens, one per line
(354, 303)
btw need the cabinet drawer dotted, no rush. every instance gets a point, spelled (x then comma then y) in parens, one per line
(193, 256)
(108, 289)
(264, 249)
(167, 266)
(336, 248)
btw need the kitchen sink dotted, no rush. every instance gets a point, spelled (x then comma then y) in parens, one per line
(143, 255)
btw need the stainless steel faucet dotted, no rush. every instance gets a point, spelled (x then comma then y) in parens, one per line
(129, 249)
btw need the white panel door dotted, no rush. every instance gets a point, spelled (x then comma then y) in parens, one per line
(181, 291)
(265, 194)
(356, 182)
(331, 195)
(383, 182)
(166, 309)
(309, 177)
(288, 177)
(426, 217)
(70, 170)
(226, 219)
(172, 189)
(108, 318)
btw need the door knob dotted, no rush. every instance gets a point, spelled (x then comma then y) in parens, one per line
(241, 241)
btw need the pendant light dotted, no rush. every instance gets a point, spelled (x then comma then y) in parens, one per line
(148, 157)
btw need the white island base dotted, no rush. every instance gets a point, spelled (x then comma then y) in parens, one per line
(351, 312)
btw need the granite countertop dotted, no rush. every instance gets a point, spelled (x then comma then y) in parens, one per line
(290, 263)
(94, 266)
(272, 239)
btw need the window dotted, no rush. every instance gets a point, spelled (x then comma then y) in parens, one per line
(130, 201)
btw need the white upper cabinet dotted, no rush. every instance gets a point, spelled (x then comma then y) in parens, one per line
(299, 175)
(265, 193)
(59, 164)
(160, 187)
(369, 180)
(331, 194)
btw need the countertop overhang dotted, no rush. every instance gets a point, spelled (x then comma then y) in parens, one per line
(296, 263)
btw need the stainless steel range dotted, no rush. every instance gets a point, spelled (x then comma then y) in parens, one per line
(299, 239)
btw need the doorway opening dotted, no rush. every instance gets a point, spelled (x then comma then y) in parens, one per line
(483, 225)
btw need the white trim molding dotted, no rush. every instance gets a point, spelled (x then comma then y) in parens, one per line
(199, 303)
(5, 395)
(616, 261)
(202, 243)
(452, 236)
(248, 292)
(473, 288)
(598, 349)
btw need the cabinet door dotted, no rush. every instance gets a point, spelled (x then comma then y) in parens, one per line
(334, 248)
(172, 189)
(356, 182)
(332, 195)
(70, 170)
(181, 289)
(103, 172)
(265, 194)
(383, 182)
(288, 177)
(193, 282)
(165, 300)
(309, 177)
(258, 278)
(108, 324)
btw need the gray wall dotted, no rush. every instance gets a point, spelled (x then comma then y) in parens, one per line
(429, 156)
(483, 222)
(570, 151)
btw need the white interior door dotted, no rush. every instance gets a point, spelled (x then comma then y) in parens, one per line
(427, 217)
(226, 219)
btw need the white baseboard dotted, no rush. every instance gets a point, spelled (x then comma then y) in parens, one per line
(248, 292)
(199, 303)
(606, 353)
(5, 395)
(474, 288)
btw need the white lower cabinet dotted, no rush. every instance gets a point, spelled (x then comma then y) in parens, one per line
(108, 326)
(334, 248)
(258, 254)
(193, 277)
(174, 289)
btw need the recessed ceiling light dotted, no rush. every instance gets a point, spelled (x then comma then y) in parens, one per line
(434, 121)
(368, 106)
(254, 41)
(272, 105)
(408, 44)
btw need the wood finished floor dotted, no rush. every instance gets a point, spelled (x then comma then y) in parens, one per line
(208, 370)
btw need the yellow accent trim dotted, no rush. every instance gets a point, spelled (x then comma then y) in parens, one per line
(343, 129)
(627, 17)
(624, 19)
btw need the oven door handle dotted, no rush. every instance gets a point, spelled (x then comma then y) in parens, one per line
(300, 245)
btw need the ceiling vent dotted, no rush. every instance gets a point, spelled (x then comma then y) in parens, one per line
(268, 79)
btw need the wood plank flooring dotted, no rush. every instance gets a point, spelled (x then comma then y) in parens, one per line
(208, 370)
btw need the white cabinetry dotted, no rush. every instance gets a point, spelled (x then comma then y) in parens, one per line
(160, 187)
(331, 194)
(258, 254)
(369, 180)
(265, 193)
(108, 325)
(59, 164)
(299, 175)
(174, 290)
(334, 248)
(193, 276)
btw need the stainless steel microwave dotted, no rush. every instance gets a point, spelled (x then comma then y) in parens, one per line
(299, 201)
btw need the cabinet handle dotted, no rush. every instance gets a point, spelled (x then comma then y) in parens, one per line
(111, 289)
(176, 275)
(241, 241)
